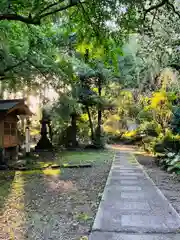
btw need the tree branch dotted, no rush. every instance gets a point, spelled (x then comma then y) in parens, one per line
(173, 8)
(37, 68)
(154, 7)
(51, 5)
(2, 78)
(86, 16)
(157, 6)
(36, 20)
(2, 74)
(58, 10)
(16, 17)
(154, 17)
(14, 66)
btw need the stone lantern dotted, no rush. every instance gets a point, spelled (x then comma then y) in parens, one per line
(45, 143)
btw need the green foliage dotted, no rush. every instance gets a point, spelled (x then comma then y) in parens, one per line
(151, 128)
(99, 141)
(130, 134)
(127, 107)
(32, 34)
(131, 137)
(171, 163)
(160, 107)
(153, 114)
(167, 143)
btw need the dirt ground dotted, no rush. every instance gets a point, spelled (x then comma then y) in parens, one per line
(53, 204)
(167, 183)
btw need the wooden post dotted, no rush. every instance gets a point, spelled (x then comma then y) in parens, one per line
(2, 155)
(2, 150)
(27, 139)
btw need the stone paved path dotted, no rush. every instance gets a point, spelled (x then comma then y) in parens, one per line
(132, 207)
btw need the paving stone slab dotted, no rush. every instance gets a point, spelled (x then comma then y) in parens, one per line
(123, 188)
(136, 195)
(126, 205)
(152, 222)
(126, 168)
(119, 176)
(118, 170)
(121, 171)
(121, 236)
(132, 174)
(113, 195)
(140, 206)
(130, 182)
(123, 223)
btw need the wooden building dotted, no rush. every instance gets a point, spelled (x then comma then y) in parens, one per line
(9, 112)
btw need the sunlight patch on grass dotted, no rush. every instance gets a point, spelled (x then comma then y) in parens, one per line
(31, 172)
(44, 164)
(14, 206)
(83, 217)
(47, 171)
(51, 172)
(84, 238)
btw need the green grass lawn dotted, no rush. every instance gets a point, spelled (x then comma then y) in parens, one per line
(84, 157)
(66, 158)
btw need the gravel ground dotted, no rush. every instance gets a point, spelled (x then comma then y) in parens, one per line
(167, 183)
(51, 205)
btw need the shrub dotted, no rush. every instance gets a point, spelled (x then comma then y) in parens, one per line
(167, 143)
(130, 134)
(99, 140)
(171, 163)
(152, 128)
(148, 143)
(131, 137)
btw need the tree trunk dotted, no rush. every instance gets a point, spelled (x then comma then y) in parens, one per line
(73, 130)
(50, 131)
(90, 123)
(98, 131)
(2, 90)
(99, 123)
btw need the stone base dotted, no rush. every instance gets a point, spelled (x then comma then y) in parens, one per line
(44, 144)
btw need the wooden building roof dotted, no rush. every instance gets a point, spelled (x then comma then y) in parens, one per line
(17, 106)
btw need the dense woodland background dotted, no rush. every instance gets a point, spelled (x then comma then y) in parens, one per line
(112, 67)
